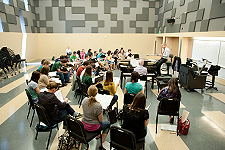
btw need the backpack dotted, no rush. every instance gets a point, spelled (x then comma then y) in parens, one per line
(63, 142)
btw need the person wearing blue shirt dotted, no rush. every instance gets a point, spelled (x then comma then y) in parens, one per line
(133, 87)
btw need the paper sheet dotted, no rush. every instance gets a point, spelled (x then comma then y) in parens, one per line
(57, 80)
(116, 80)
(184, 116)
(134, 62)
(59, 95)
(52, 74)
(104, 100)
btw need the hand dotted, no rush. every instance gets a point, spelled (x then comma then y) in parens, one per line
(118, 84)
(66, 100)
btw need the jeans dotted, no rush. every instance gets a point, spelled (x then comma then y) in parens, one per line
(159, 64)
(105, 125)
(65, 112)
(64, 77)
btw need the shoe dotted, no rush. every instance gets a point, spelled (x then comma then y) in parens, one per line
(68, 81)
(64, 84)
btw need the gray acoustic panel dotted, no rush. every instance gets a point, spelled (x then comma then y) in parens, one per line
(160, 17)
(55, 3)
(20, 5)
(94, 29)
(216, 2)
(91, 17)
(151, 4)
(37, 16)
(101, 23)
(94, 3)
(32, 29)
(73, 23)
(182, 2)
(192, 26)
(173, 13)
(126, 10)
(200, 14)
(5, 27)
(42, 23)
(217, 11)
(168, 6)
(33, 9)
(161, 3)
(34, 23)
(173, 28)
(138, 29)
(78, 10)
(183, 18)
(144, 16)
(16, 10)
(2, 7)
(62, 13)
(132, 24)
(11, 3)
(108, 5)
(25, 21)
(156, 11)
(11, 19)
(113, 17)
(133, 4)
(38, 29)
(49, 30)
(156, 24)
(48, 13)
(151, 29)
(119, 28)
(204, 25)
(36, 3)
(193, 6)
(68, 3)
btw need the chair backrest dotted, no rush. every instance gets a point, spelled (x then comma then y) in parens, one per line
(169, 105)
(136, 56)
(122, 139)
(42, 114)
(143, 77)
(30, 98)
(84, 88)
(78, 81)
(76, 129)
(128, 98)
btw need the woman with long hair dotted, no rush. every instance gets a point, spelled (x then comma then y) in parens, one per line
(93, 114)
(171, 91)
(134, 87)
(32, 86)
(44, 79)
(109, 60)
(135, 116)
(86, 78)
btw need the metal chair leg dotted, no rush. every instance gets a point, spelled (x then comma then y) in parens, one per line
(49, 138)
(32, 118)
(28, 111)
(156, 123)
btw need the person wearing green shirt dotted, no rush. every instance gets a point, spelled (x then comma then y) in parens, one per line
(73, 57)
(87, 77)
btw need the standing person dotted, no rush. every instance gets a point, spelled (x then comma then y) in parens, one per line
(136, 118)
(133, 87)
(140, 69)
(115, 57)
(109, 85)
(93, 114)
(122, 54)
(171, 91)
(164, 57)
(32, 86)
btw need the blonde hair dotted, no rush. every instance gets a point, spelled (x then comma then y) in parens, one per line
(52, 85)
(92, 92)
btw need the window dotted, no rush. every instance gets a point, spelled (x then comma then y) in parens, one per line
(6, 1)
(1, 26)
(22, 23)
(26, 5)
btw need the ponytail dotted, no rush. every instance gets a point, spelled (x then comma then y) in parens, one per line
(92, 92)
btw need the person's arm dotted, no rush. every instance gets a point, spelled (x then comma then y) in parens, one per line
(37, 90)
(142, 91)
(57, 102)
(100, 117)
(46, 80)
(62, 71)
(125, 91)
(146, 122)
(117, 86)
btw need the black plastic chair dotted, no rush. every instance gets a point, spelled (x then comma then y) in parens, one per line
(136, 56)
(144, 78)
(84, 90)
(77, 131)
(128, 98)
(78, 89)
(44, 118)
(31, 105)
(168, 107)
(123, 139)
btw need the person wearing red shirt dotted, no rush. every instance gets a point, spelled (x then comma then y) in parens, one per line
(82, 67)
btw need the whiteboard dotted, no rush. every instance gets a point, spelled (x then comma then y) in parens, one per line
(221, 61)
(207, 50)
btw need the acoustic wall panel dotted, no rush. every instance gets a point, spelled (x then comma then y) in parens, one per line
(200, 14)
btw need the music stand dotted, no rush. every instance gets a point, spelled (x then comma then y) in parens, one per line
(213, 70)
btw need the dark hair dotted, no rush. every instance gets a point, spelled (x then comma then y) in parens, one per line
(129, 50)
(100, 50)
(134, 76)
(52, 85)
(63, 57)
(86, 63)
(109, 78)
(173, 88)
(86, 56)
(90, 54)
(78, 53)
(89, 50)
(95, 51)
(46, 62)
(42, 61)
(88, 71)
(139, 102)
(63, 61)
(35, 76)
(74, 52)
(45, 70)
(109, 52)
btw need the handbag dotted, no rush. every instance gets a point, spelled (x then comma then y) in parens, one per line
(112, 116)
(184, 126)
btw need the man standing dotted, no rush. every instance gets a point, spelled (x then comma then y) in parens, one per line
(140, 69)
(164, 57)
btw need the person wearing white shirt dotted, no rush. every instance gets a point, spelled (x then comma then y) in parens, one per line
(68, 50)
(140, 69)
(164, 57)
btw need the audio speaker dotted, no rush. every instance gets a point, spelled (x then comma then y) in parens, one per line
(171, 20)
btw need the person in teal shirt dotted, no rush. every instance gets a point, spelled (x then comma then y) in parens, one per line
(133, 87)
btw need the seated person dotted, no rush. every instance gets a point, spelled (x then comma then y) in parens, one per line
(93, 114)
(109, 85)
(171, 91)
(102, 60)
(73, 57)
(129, 54)
(32, 86)
(56, 109)
(44, 79)
(95, 55)
(109, 60)
(81, 68)
(122, 54)
(44, 62)
(140, 69)
(61, 71)
(87, 77)
(133, 87)
(135, 117)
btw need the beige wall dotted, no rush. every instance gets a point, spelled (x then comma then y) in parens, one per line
(56, 44)
(32, 46)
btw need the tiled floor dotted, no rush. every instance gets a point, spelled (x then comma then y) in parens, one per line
(206, 109)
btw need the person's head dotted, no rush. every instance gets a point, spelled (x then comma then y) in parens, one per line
(88, 71)
(109, 52)
(92, 92)
(86, 57)
(35, 76)
(78, 52)
(95, 53)
(141, 62)
(129, 50)
(100, 50)
(74, 53)
(134, 76)
(109, 78)
(46, 63)
(63, 61)
(164, 45)
(45, 70)
(139, 102)
(52, 87)
(121, 51)
(90, 55)
(174, 88)
(42, 61)
(63, 57)
(85, 64)
(89, 51)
